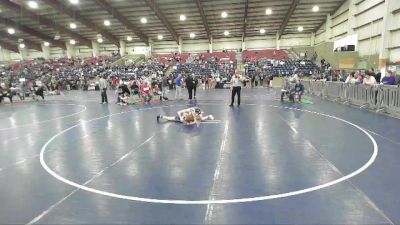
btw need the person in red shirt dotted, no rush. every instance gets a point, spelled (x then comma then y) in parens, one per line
(146, 92)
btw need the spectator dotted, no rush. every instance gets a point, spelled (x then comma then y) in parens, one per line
(5, 92)
(40, 92)
(146, 92)
(103, 89)
(178, 86)
(350, 78)
(190, 85)
(360, 78)
(299, 89)
(369, 79)
(389, 79)
(196, 82)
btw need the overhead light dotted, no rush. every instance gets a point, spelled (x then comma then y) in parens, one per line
(72, 42)
(47, 44)
(143, 20)
(160, 37)
(226, 33)
(100, 40)
(72, 25)
(268, 11)
(315, 8)
(262, 31)
(74, 1)
(192, 35)
(33, 4)
(11, 30)
(107, 23)
(224, 14)
(129, 38)
(182, 17)
(300, 28)
(22, 45)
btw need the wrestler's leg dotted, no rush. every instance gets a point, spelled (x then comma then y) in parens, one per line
(168, 118)
(209, 117)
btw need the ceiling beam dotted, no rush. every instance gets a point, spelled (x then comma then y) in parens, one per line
(162, 18)
(287, 17)
(246, 8)
(9, 46)
(338, 7)
(331, 13)
(122, 19)
(319, 27)
(44, 21)
(30, 31)
(29, 44)
(204, 19)
(56, 4)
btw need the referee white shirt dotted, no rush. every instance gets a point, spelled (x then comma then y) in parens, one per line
(237, 81)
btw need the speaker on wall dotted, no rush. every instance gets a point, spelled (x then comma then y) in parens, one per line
(350, 48)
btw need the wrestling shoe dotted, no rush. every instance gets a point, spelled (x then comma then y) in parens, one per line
(158, 118)
(211, 117)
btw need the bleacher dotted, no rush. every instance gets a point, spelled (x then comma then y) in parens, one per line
(289, 67)
(254, 56)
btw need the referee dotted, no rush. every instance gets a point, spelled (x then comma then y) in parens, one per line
(236, 87)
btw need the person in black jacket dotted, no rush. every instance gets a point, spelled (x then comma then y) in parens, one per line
(190, 85)
(123, 91)
(40, 92)
(195, 83)
(5, 92)
(299, 89)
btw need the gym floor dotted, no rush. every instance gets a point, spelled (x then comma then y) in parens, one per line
(69, 159)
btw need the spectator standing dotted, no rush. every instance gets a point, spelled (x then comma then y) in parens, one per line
(299, 89)
(350, 78)
(369, 80)
(178, 86)
(389, 79)
(360, 78)
(164, 88)
(103, 89)
(206, 82)
(195, 83)
(190, 85)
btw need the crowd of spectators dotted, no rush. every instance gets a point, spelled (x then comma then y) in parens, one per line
(372, 78)
(367, 77)
(161, 73)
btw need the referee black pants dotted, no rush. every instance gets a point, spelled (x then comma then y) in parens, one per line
(190, 91)
(236, 91)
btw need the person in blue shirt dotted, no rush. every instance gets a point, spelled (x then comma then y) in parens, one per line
(178, 86)
(389, 79)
